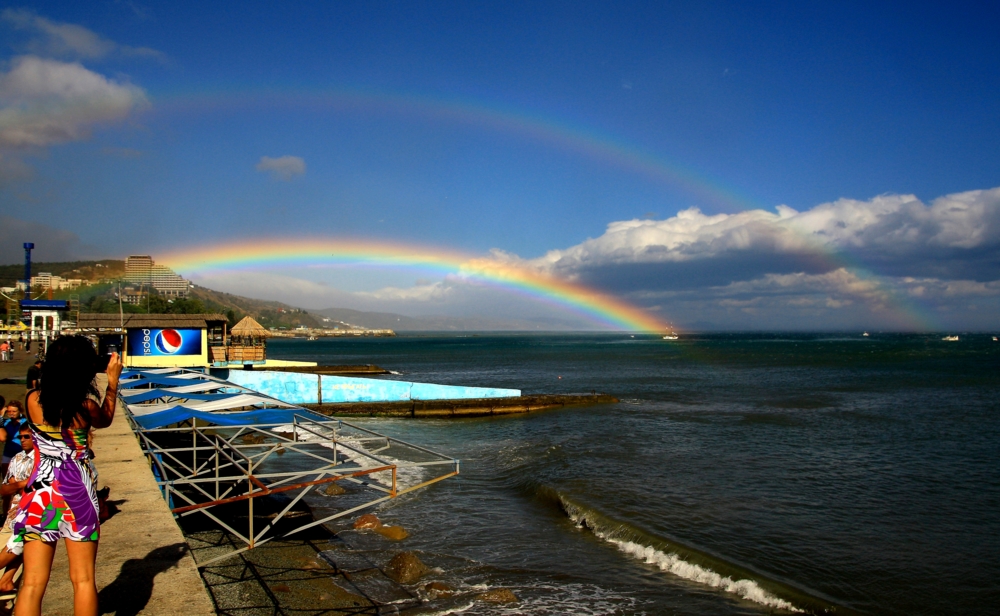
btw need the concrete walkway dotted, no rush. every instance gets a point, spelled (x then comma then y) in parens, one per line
(143, 564)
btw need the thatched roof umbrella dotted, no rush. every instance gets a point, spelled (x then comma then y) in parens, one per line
(248, 328)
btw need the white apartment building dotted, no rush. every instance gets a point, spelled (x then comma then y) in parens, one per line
(46, 280)
(138, 268)
(141, 269)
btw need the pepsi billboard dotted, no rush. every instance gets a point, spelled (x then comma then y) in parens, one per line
(156, 342)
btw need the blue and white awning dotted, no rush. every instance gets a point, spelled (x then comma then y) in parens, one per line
(167, 396)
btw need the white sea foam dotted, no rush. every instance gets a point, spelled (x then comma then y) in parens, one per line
(671, 563)
(541, 599)
(451, 610)
(674, 564)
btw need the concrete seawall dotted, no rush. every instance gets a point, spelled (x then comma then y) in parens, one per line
(300, 388)
(461, 408)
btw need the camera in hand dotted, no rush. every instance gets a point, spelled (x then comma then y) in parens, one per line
(106, 346)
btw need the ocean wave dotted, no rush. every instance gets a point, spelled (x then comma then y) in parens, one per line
(671, 563)
(691, 564)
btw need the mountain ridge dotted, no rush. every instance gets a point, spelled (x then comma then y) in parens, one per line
(269, 313)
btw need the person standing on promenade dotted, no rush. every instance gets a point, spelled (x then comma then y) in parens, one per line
(34, 373)
(61, 501)
(16, 479)
(13, 413)
(4, 349)
(10, 437)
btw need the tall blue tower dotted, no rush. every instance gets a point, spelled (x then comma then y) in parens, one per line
(28, 247)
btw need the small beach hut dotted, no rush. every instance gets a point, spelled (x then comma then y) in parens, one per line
(248, 342)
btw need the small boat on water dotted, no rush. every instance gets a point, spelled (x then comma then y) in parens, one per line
(994, 338)
(864, 335)
(671, 335)
(312, 338)
(950, 339)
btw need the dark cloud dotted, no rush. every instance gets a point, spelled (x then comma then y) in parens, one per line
(51, 244)
(720, 271)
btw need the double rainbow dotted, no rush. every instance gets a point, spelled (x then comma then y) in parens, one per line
(609, 311)
(606, 148)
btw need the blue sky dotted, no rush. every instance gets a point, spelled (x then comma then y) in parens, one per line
(128, 127)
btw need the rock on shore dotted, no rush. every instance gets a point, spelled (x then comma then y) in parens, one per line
(393, 533)
(367, 521)
(406, 568)
(333, 489)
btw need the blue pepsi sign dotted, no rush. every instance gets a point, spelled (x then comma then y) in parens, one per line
(155, 342)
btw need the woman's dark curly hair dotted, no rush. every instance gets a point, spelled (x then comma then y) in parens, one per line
(67, 379)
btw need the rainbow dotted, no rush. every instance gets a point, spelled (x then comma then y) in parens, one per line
(252, 254)
(575, 138)
(536, 127)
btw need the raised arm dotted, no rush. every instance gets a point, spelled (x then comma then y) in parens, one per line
(102, 416)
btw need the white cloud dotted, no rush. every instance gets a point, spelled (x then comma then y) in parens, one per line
(432, 292)
(283, 167)
(64, 40)
(957, 234)
(46, 102)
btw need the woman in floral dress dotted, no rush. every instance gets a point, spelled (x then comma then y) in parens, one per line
(60, 501)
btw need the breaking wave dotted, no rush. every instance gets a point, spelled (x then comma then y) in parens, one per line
(691, 564)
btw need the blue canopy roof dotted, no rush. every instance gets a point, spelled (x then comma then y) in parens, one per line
(178, 414)
(44, 304)
(154, 394)
(152, 379)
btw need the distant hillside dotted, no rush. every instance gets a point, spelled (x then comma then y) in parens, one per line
(102, 298)
(267, 313)
(85, 270)
(398, 322)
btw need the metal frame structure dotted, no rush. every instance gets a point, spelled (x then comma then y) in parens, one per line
(201, 464)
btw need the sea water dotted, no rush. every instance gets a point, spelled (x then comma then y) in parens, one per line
(739, 474)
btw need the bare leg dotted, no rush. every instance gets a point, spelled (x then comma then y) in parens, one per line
(82, 560)
(37, 567)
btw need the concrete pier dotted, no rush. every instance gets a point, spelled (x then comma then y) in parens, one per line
(143, 564)
(473, 407)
